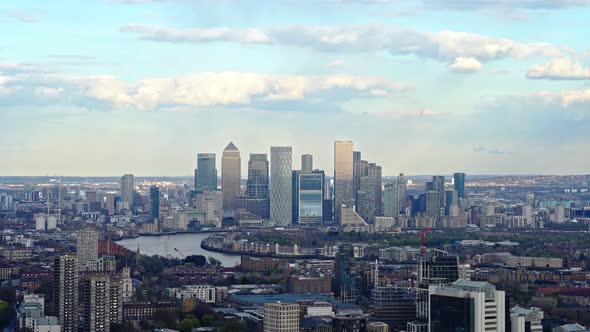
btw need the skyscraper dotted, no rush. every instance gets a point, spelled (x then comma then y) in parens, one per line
(127, 191)
(374, 171)
(306, 163)
(154, 202)
(356, 156)
(346, 284)
(433, 203)
(366, 199)
(257, 185)
(66, 292)
(360, 169)
(87, 245)
(438, 184)
(230, 176)
(436, 267)
(281, 317)
(343, 184)
(310, 198)
(96, 295)
(394, 195)
(281, 165)
(459, 180)
(295, 195)
(206, 173)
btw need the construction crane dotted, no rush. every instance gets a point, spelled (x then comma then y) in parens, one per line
(178, 251)
(423, 241)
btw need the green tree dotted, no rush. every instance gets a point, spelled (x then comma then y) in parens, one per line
(188, 323)
(5, 313)
(8, 294)
(207, 319)
(233, 325)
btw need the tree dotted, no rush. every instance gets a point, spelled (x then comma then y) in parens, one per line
(233, 325)
(214, 261)
(207, 319)
(5, 313)
(188, 323)
(198, 260)
(168, 317)
(202, 309)
(8, 294)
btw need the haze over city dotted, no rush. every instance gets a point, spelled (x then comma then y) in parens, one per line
(426, 87)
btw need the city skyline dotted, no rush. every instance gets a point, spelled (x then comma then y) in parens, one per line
(485, 87)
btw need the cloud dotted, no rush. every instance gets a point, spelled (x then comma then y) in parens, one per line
(335, 63)
(493, 151)
(72, 56)
(21, 15)
(559, 69)
(196, 91)
(445, 45)
(466, 65)
(504, 4)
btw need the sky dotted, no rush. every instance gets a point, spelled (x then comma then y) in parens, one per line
(109, 87)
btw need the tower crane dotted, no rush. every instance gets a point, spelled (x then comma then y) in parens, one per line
(423, 240)
(181, 254)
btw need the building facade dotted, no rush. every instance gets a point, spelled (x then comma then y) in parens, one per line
(343, 177)
(206, 172)
(230, 176)
(281, 185)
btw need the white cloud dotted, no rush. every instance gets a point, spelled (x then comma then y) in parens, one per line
(198, 91)
(559, 69)
(21, 15)
(443, 45)
(466, 65)
(335, 63)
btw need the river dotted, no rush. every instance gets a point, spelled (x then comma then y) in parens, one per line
(187, 244)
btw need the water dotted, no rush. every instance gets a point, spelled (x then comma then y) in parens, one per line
(188, 244)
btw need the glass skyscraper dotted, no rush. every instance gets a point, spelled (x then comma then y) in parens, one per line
(310, 198)
(127, 190)
(306, 163)
(281, 167)
(206, 173)
(230, 176)
(343, 184)
(258, 175)
(459, 179)
(154, 202)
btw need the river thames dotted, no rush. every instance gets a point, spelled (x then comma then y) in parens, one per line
(187, 244)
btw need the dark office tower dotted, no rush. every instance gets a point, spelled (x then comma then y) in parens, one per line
(154, 202)
(96, 297)
(230, 176)
(349, 323)
(438, 182)
(366, 199)
(451, 198)
(393, 305)
(295, 196)
(436, 267)
(360, 169)
(428, 186)
(311, 198)
(346, 284)
(374, 171)
(206, 173)
(127, 191)
(356, 156)
(258, 175)
(306, 163)
(459, 179)
(343, 186)
(66, 292)
(433, 203)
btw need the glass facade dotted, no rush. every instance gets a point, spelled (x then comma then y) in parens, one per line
(281, 164)
(206, 173)
(343, 184)
(310, 199)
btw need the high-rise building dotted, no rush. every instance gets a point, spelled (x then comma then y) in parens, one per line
(96, 297)
(366, 199)
(469, 306)
(306, 163)
(393, 305)
(436, 267)
(127, 191)
(459, 182)
(346, 284)
(343, 184)
(295, 195)
(110, 203)
(230, 176)
(257, 185)
(310, 198)
(281, 164)
(433, 203)
(451, 199)
(281, 317)
(206, 173)
(154, 202)
(374, 171)
(66, 292)
(438, 183)
(393, 197)
(356, 156)
(360, 169)
(87, 245)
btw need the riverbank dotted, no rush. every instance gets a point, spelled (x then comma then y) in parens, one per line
(258, 254)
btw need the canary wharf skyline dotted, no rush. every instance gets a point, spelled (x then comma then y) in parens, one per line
(423, 87)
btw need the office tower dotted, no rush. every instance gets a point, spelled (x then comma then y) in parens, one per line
(66, 292)
(154, 202)
(393, 197)
(349, 323)
(87, 245)
(435, 267)
(525, 320)
(374, 171)
(560, 214)
(459, 182)
(428, 186)
(295, 195)
(310, 198)
(110, 203)
(96, 297)
(281, 164)
(438, 184)
(127, 191)
(393, 305)
(343, 184)
(257, 185)
(346, 284)
(360, 169)
(306, 163)
(433, 203)
(356, 156)
(91, 196)
(451, 200)
(366, 199)
(206, 173)
(211, 204)
(230, 176)
(281, 317)
(467, 306)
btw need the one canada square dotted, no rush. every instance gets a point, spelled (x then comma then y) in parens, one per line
(281, 165)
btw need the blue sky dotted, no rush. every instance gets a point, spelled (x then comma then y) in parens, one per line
(420, 86)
